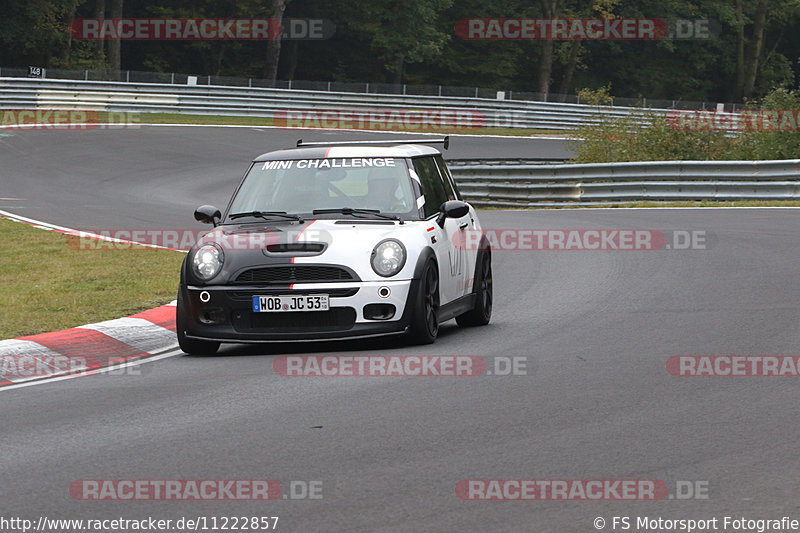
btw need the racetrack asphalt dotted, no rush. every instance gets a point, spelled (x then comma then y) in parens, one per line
(154, 177)
(596, 329)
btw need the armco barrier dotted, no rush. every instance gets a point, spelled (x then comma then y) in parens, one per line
(485, 183)
(136, 76)
(26, 93)
(511, 184)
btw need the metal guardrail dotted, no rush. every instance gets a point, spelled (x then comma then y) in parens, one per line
(505, 163)
(485, 183)
(507, 184)
(302, 107)
(135, 76)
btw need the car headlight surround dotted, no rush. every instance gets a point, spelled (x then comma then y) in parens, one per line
(207, 261)
(388, 257)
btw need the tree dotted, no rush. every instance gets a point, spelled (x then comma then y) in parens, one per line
(35, 31)
(114, 45)
(570, 53)
(764, 15)
(484, 63)
(550, 9)
(274, 45)
(401, 31)
(414, 41)
(100, 13)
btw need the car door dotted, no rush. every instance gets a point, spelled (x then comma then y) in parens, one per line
(468, 228)
(451, 257)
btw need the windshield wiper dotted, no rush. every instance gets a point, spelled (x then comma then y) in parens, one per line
(266, 214)
(353, 211)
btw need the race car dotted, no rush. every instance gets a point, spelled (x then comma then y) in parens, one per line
(338, 240)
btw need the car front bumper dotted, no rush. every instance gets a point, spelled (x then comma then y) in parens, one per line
(225, 313)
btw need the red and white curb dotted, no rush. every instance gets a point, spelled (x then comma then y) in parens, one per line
(87, 350)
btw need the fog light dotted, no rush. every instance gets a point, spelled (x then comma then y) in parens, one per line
(379, 311)
(205, 296)
(384, 292)
(212, 316)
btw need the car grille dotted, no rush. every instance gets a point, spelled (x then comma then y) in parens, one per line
(333, 293)
(337, 319)
(282, 275)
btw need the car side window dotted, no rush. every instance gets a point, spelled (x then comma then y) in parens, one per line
(449, 182)
(432, 184)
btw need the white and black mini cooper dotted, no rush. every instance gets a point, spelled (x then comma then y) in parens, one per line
(336, 241)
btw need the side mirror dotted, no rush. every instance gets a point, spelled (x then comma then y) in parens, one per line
(207, 214)
(451, 209)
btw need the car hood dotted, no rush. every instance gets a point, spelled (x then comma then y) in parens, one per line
(348, 242)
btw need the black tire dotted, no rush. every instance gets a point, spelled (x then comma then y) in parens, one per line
(191, 346)
(481, 314)
(425, 317)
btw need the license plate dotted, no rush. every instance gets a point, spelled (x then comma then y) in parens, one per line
(290, 303)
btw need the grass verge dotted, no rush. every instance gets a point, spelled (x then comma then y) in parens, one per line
(47, 285)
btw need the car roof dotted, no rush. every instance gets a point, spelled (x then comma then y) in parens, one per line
(322, 152)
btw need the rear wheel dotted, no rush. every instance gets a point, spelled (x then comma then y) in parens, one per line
(481, 314)
(425, 318)
(191, 346)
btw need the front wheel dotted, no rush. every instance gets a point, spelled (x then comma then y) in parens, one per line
(481, 314)
(191, 346)
(425, 317)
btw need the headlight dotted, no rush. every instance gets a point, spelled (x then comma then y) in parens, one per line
(388, 258)
(207, 261)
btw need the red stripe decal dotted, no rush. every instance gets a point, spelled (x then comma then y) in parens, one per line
(297, 239)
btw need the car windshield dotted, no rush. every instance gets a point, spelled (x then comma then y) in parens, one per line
(305, 185)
